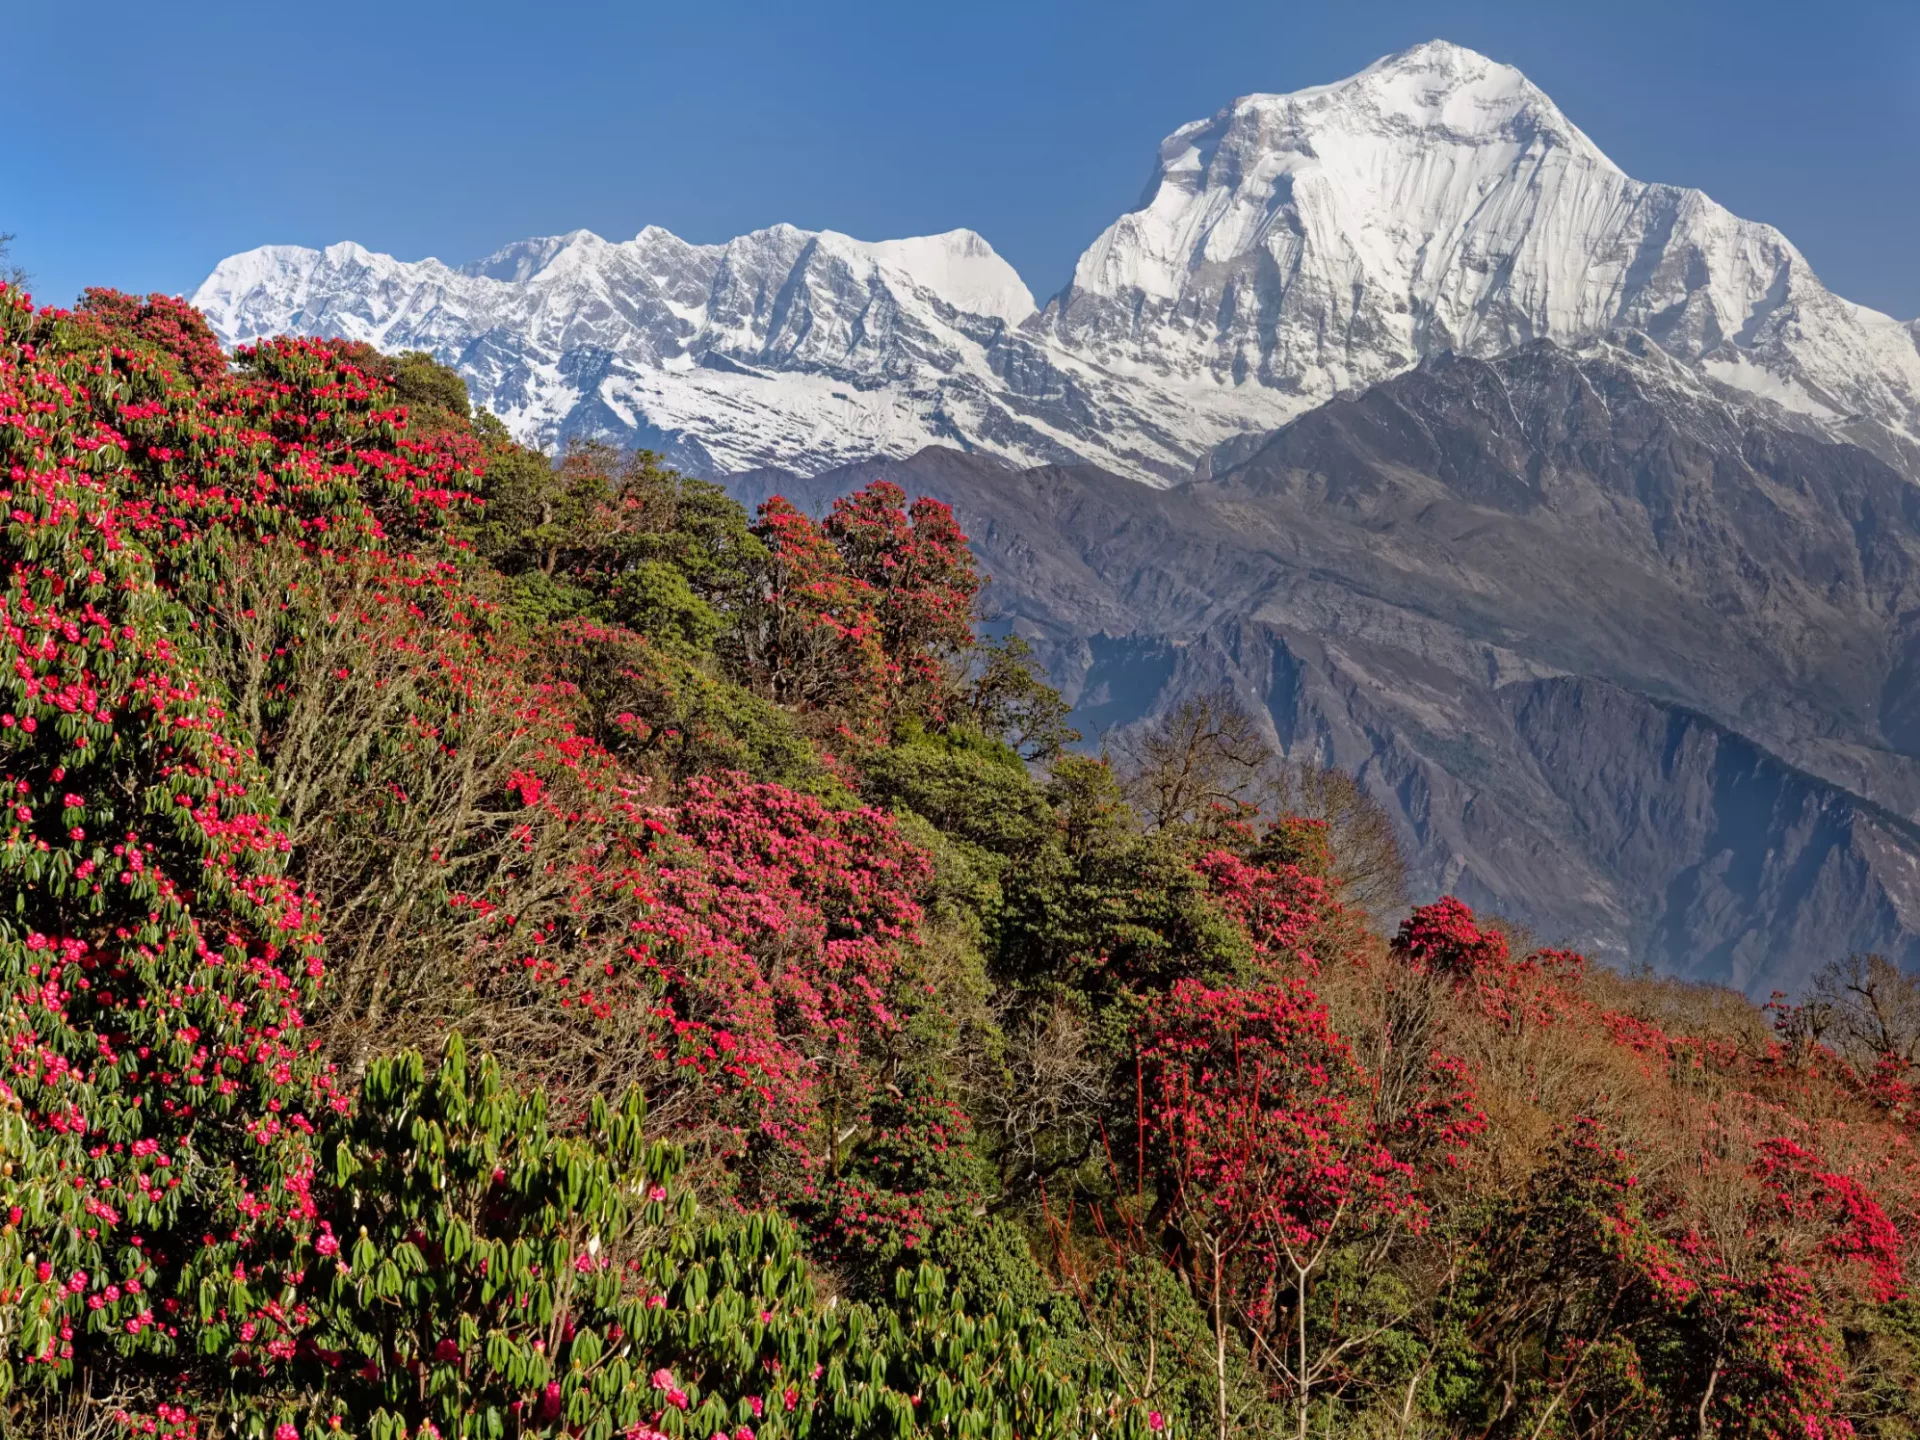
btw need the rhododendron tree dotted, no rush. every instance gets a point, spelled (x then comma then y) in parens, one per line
(1277, 905)
(1610, 1303)
(1853, 1226)
(1443, 939)
(913, 562)
(916, 1172)
(164, 321)
(1568, 1273)
(1254, 1128)
(779, 935)
(805, 634)
(861, 616)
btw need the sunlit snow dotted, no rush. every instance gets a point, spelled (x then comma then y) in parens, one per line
(1288, 249)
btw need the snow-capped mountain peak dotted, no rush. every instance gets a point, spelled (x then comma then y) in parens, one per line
(962, 269)
(803, 347)
(1443, 90)
(1415, 142)
(1287, 249)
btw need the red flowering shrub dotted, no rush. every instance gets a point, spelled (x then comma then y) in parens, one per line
(1780, 1375)
(778, 934)
(1569, 1274)
(1857, 1228)
(859, 616)
(1672, 1314)
(157, 960)
(1277, 906)
(914, 565)
(1256, 1111)
(1255, 1129)
(806, 635)
(1443, 939)
(169, 1223)
(164, 321)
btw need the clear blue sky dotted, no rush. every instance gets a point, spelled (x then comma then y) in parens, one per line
(152, 139)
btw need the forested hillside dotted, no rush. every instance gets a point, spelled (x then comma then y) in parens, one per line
(501, 946)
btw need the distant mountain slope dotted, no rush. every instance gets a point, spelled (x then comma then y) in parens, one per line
(1631, 662)
(1290, 248)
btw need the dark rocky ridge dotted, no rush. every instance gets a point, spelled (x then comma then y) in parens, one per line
(1630, 659)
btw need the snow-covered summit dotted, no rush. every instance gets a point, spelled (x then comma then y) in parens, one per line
(1413, 141)
(1295, 246)
(1287, 249)
(1445, 90)
(962, 269)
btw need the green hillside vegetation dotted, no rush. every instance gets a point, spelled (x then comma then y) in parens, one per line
(503, 945)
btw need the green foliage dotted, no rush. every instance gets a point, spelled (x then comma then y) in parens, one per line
(1007, 697)
(495, 1277)
(655, 599)
(425, 384)
(1883, 1349)
(519, 492)
(1106, 905)
(673, 716)
(1067, 882)
(969, 787)
(710, 541)
(481, 1271)
(537, 601)
(1141, 1316)
(597, 515)
(1301, 843)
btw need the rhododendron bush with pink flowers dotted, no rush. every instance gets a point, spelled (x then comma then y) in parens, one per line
(501, 945)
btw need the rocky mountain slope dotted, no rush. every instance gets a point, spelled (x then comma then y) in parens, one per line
(1627, 661)
(1289, 249)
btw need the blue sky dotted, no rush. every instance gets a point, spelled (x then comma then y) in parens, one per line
(150, 140)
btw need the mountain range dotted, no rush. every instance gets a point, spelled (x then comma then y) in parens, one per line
(1287, 250)
(1572, 513)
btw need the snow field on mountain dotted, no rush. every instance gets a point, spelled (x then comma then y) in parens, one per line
(1288, 249)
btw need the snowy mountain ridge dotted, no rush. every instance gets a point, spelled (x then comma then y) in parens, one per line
(1288, 249)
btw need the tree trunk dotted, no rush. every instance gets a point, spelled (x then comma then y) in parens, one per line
(1706, 1400)
(1300, 1317)
(1219, 1348)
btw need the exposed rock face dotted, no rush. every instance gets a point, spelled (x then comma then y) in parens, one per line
(1628, 661)
(1290, 248)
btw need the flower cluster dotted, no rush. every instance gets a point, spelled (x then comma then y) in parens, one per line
(1276, 905)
